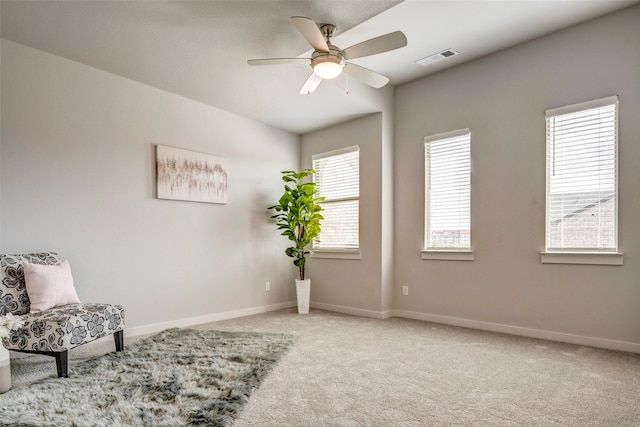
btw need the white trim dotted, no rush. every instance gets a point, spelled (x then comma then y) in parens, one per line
(587, 105)
(207, 318)
(329, 201)
(427, 176)
(600, 258)
(353, 311)
(426, 317)
(447, 255)
(337, 152)
(153, 328)
(336, 254)
(447, 135)
(521, 331)
(568, 109)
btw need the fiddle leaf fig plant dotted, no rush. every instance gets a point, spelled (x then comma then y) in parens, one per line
(298, 214)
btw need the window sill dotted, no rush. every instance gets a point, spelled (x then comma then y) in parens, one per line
(593, 258)
(447, 255)
(337, 254)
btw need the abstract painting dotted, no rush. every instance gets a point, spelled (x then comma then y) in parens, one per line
(189, 175)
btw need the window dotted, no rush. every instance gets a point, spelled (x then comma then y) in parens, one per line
(448, 191)
(582, 188)
(338, 180)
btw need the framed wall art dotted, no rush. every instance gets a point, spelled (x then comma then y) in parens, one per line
(189, 175)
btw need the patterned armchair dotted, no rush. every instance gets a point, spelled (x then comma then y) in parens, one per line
(54, 331)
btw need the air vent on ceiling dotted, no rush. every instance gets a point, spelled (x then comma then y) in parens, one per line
(437, 57)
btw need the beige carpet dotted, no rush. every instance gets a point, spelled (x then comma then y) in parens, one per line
(351, 371)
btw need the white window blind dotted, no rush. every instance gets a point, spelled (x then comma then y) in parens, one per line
(582, 177)
(337, 179)
(448, 191)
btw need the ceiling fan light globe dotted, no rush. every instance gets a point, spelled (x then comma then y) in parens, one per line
(327, 70)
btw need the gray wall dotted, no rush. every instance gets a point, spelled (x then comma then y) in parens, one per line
(77, 164)
(78, 177)
(363, 286)
(502, 99)
(344, 284)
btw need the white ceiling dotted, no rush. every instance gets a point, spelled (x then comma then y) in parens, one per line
(199, 49)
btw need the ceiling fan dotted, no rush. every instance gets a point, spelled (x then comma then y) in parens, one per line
(328, 61)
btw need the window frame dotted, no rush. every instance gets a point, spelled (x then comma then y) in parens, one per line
(337, 251)
(445, 254)
(567, 255)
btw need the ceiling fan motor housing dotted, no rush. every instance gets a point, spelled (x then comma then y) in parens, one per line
(334, 56)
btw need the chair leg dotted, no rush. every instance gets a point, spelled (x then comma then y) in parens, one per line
(62, 359)
(118, 337)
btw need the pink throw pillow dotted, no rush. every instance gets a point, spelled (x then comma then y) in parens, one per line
(49, 285)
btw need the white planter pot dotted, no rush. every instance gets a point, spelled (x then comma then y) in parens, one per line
(5, 369)
(303, 292)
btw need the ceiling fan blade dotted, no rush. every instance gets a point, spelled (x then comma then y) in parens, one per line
(310, 31)
(274, 61)
(311, 84)
(367, 76)
(376, 45)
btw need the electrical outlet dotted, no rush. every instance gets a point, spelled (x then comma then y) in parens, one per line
(267, 286)
(405, 290)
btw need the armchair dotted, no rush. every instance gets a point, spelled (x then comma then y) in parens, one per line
(56, 330)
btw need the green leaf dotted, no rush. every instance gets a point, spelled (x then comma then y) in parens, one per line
(290, 252)
(297, 213)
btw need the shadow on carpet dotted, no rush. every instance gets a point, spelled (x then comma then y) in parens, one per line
(180, 377)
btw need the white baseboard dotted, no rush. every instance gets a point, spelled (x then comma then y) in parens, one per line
(208, 318)
(521, 331)
(353, 311)
(436, 318)
(183, 323)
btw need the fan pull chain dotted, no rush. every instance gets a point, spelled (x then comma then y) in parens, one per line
(346, 82)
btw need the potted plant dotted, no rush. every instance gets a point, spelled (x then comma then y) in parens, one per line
(298, 216)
